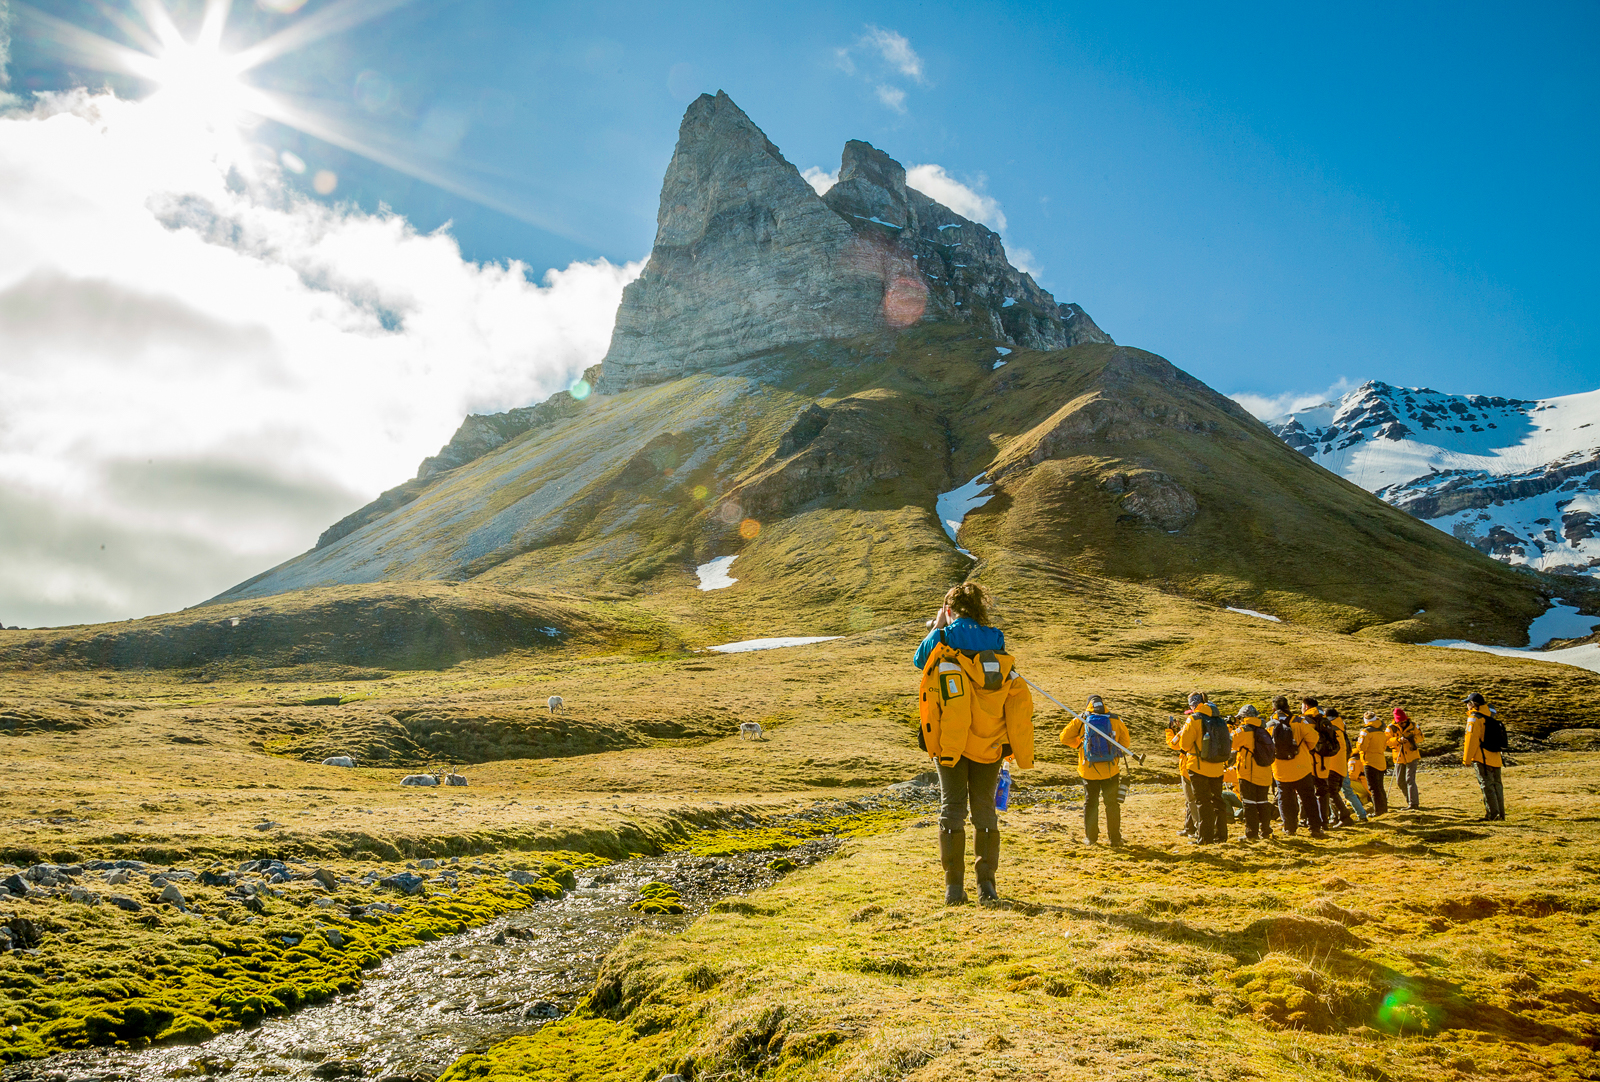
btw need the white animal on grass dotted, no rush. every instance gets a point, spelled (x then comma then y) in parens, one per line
(455, 779)
(751, 730)
(420, 779)
(339, 760)
(555, 703)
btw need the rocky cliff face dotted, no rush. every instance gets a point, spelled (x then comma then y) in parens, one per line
(749, 258)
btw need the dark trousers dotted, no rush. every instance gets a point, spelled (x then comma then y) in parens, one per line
(968, 784)
(1330, 799)
(1406, 782)
(1297, 798)
(1380, 799)
(1189, 822)
(1257, 809)
(1210, 813)
(1093, 793)
(1494, 795)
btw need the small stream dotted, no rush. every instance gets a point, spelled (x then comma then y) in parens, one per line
(425, 1007)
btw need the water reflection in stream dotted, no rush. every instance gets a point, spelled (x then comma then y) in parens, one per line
(424, 1007)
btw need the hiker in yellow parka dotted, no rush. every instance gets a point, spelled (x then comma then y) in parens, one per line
(1208, 743)
(1292, 743)
(1253, 756)
(1374, 747)
(1355, 783)
(975, 712)
(1486, 739)
(1405, 741)
(1099, 764)
(1185, 780)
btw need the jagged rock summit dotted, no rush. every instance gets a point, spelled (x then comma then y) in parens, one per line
(748, 258)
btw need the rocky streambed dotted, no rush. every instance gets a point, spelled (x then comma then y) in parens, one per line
(424, 1007)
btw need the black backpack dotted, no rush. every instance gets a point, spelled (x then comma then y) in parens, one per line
(1327, 736)
(1263, 751)
(1494, 734)
(1285, 745)
(1216, 742)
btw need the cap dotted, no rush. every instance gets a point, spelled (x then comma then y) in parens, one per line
(1095, 700)
(1247, 711)
(1475, 699)
(1196, 698)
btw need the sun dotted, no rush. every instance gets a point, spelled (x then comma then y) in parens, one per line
(203, 82)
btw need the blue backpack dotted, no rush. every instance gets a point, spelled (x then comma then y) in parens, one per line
(1096, 747)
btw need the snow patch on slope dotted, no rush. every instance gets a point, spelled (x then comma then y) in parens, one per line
(952, 507)
(1253, 612)
(749, 645)
(714, 573)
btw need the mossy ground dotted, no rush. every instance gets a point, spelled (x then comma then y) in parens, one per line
(105, 976)
(1421, 946)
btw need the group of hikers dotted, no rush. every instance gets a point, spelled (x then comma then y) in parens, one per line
(1293, 767)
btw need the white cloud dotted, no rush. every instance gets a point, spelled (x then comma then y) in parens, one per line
(892, 96)
(203, 369)
(896, 50)
(820, 180)
(1271, 407)
(886, 55)
(933, 182)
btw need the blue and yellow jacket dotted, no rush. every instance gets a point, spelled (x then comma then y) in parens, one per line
(973, 712)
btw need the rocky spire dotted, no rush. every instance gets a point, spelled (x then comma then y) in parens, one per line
(747, 257)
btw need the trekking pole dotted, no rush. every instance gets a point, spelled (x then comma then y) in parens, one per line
(1135, 756)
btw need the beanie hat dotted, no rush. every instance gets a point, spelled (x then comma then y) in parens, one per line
(1371, 717)
(1400, 715)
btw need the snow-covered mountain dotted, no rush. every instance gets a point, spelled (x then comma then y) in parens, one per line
(1518, 479)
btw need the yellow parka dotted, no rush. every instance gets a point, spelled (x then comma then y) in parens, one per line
(1072, 737)
(1473, 751)
(1305, 738)
(1374, 743)
(961, 719)
(1358, 778)
(1189, 742)
(1405, 740)
(1244, 743)
(1183, 756)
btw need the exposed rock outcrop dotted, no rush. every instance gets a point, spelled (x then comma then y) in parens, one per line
(748, 258)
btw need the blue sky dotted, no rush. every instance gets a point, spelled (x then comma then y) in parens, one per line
(1274, 197)
(206, 358)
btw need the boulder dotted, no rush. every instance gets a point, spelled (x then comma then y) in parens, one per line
(122, 902)
(521, 878)
(16, 885)
(173, 896)
(118, 876)
(83, 897)
(326, 879)
(405, 882)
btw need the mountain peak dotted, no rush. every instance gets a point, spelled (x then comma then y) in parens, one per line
(748, 258)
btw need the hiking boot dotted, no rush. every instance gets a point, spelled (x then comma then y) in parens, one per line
(953, 856)
(986, 849)
(1319, 833)
(1116, 843)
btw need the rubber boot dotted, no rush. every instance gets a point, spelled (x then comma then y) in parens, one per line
(986, 848)
(953, 855)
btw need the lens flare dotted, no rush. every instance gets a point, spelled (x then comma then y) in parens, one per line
(580, 390)
(700, 492)
(730, 513)
(325, 181)
(749, 528)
